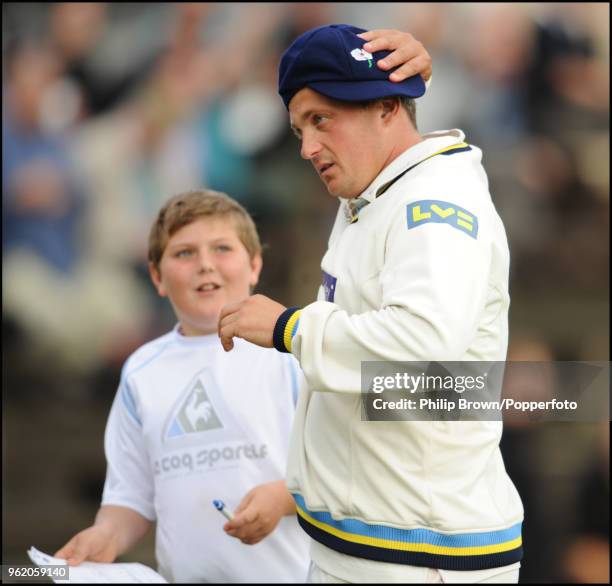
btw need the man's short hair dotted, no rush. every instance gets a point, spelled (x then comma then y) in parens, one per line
(185, 208)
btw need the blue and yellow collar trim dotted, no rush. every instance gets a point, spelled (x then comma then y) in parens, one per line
(417, 547)
(461, 147)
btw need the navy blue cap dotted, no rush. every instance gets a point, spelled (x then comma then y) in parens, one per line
(330, 60)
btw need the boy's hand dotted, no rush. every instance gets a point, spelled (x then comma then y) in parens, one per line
(260, 511)
(252, 319)
(406, 50)
(95, 544)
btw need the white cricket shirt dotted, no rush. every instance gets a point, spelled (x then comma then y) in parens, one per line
(421, 275)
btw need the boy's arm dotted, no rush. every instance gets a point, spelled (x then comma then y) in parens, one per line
(127, 508)
(260, 511)
(115, 531)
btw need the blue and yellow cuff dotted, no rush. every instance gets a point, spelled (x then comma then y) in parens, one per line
(285, 328)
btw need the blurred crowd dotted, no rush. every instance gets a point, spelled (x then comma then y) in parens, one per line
(109, 109)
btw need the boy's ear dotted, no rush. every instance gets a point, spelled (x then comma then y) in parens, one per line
(256, 264)
(156, 278)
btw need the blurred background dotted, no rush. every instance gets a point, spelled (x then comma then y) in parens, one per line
(109, 109)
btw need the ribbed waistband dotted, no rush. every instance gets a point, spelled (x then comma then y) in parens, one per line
(417, 547)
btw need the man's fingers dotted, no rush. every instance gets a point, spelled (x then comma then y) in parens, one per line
(229, 309)
(400, 55)
(419, 64)
(390, 40)
(227, 342)
(380, 44)
(227, 316)
(401, 49)
(374, 34)
(406, 53)
(227, 331)
(367, 36)
(227, 324)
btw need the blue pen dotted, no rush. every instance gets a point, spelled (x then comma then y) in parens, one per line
(220, 506)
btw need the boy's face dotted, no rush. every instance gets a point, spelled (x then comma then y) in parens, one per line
(204, 267)
(341, 140)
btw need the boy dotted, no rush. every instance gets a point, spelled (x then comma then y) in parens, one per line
(191, 424)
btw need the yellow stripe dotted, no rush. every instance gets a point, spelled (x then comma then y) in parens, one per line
(416, 547)
(465, 216)
(289, 328)
(465, 225)
(450, 148)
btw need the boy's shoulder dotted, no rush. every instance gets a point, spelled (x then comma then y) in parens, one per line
(147, 352)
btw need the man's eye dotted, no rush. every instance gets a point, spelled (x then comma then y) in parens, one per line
(223, 248)
(317, 119)
(184, 252)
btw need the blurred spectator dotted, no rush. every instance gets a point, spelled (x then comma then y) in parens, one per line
(81, 35)
(564, 74)
(42, 203)
(68, 304)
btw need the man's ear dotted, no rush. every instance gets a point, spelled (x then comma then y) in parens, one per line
(155, 275)
(389, 108)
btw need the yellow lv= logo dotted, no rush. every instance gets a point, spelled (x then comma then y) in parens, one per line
(442, 213)
(417, 216)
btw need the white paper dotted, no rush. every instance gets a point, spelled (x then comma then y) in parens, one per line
(97, 573)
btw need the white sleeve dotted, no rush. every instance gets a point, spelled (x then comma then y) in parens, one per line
(129, 478)
(296, 377)
(433, 282)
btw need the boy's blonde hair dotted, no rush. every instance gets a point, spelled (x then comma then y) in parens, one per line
(185, 208)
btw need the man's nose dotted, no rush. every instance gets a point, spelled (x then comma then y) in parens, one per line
(310, 147)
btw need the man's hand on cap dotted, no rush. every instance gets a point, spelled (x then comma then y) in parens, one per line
(407, 52)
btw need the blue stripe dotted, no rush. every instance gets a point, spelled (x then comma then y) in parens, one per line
(356, 527)
(128, 401)
(126, 393)
(295, 327)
